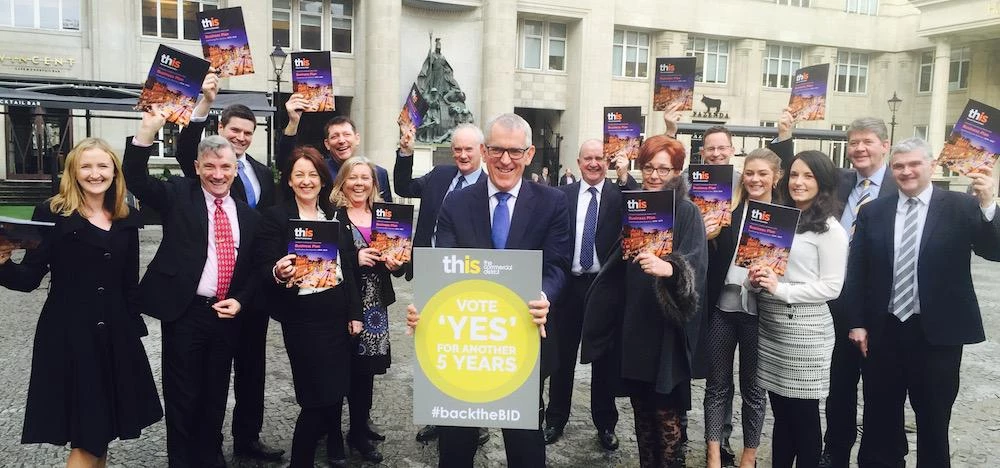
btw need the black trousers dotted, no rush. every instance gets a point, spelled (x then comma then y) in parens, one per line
(359, 399)
(197, 357)
(525, 447)
(248, 380)
(312, 424)
(900, 362)
(842, 402)
(796, 437)
(568, 323)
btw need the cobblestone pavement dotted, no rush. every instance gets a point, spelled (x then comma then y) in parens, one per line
(975, 424)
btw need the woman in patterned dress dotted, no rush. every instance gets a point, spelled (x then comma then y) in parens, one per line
(354, 192)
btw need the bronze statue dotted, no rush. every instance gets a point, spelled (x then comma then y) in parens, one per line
(445, 100)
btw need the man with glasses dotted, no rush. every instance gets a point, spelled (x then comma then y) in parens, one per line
(341, 140)
(595, 221)
(507, 213)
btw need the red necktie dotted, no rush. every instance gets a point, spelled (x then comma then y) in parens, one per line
(224, 250)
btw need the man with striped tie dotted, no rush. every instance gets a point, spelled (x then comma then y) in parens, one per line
(867, 180)
(911, 303)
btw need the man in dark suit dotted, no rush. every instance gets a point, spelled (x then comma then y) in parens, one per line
(567, 178)
(339, 145)
(254, 185)
(196, 284)
(867, 180)
(504, 212)
(911, 303)
(467, 148)
(595, 221)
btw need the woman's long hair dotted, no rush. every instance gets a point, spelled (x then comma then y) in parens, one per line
(70, 198)
(826, 204)
(337, 196)
(774, 162)
(326, 180)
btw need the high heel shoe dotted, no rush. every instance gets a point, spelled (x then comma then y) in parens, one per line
(335, 455)
(364, 447)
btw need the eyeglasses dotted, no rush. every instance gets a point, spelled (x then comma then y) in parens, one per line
(661, 171)
(713, 149)
(514, 153)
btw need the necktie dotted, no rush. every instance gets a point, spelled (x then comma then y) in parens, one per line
(501, 221)
(866, 196)
(902, 291)
(225, 250)
(247, 186)
(589, 232)
(460, 183)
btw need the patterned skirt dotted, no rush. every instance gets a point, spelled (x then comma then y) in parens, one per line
(795, 344)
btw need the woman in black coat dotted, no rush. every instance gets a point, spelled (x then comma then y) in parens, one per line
(646, 314)
(317, 319)
(90, 377)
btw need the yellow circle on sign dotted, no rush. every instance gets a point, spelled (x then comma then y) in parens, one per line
(476, 341)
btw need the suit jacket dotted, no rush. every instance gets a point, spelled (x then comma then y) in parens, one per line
(954, 229)
(287, 143)
(609, 218)
(187, 153)
(171, 280)
(538, 223)
(430, 188)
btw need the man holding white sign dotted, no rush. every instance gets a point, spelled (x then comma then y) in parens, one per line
(502, 213)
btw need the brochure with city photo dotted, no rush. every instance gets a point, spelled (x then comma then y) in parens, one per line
(412, 114)
(711, 188)
(21, 233)
(808, 99)
(766, 239)
(313, 79)
(622, 130)
(674, 83)
(392, 230)
(647, 222)
(974, 143)
(314, 244)
(224, 41)
(174, 82)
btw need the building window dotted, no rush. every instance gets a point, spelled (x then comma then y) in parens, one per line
(838, 149)
(543, 45)
(958, 70)
(920, 131)
(798, 3)
(174, 19)
(852, 72)
(313, 24)
(768, 123)
(780, 63)
(630, 54)
(711, 59)
(863, 7)
(41, 14)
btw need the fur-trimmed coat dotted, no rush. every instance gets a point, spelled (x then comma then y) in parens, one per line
(649, 326)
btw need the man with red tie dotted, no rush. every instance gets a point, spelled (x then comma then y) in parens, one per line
(196, 284)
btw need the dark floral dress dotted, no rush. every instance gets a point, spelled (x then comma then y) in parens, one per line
(372, 353)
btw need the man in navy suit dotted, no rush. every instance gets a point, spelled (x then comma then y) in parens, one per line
(199, 280)
(595, 221)
(911, 303)
(340, 143)
(254, 185)
(866, 181)
(467, 147)
(504, 212)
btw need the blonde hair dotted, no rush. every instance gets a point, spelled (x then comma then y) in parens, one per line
(337, 196)
(772, 159)
(70, 198)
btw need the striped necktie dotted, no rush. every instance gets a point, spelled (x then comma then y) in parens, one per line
(906, 265)
(866, 196)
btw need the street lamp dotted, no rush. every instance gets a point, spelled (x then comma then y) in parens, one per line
(278, 57)
(893, 107)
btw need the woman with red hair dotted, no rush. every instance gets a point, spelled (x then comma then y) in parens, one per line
(654, 302)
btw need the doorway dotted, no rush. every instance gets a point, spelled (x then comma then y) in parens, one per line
(38, 140)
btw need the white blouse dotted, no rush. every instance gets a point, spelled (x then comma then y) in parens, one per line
(816, 266)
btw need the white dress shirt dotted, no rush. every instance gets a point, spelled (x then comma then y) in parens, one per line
(251, 174)
(492, 190)
(816, 266)
(582, 203)
(209, 282)
(848, 217)
(470, 179)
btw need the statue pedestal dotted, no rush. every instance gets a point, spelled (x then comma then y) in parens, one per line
(423, 159)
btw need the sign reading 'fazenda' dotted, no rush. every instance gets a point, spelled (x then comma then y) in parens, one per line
(477, 347)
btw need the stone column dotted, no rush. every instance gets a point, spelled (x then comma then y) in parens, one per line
(745, 81)
(939, 94)
(499, 59)
(379, 132)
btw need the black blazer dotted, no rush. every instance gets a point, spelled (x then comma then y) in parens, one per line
(609, 218)
(171, 280)
(430, 188)
(272, 244)
(387, 294)
(187, 153)
(955, 228)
